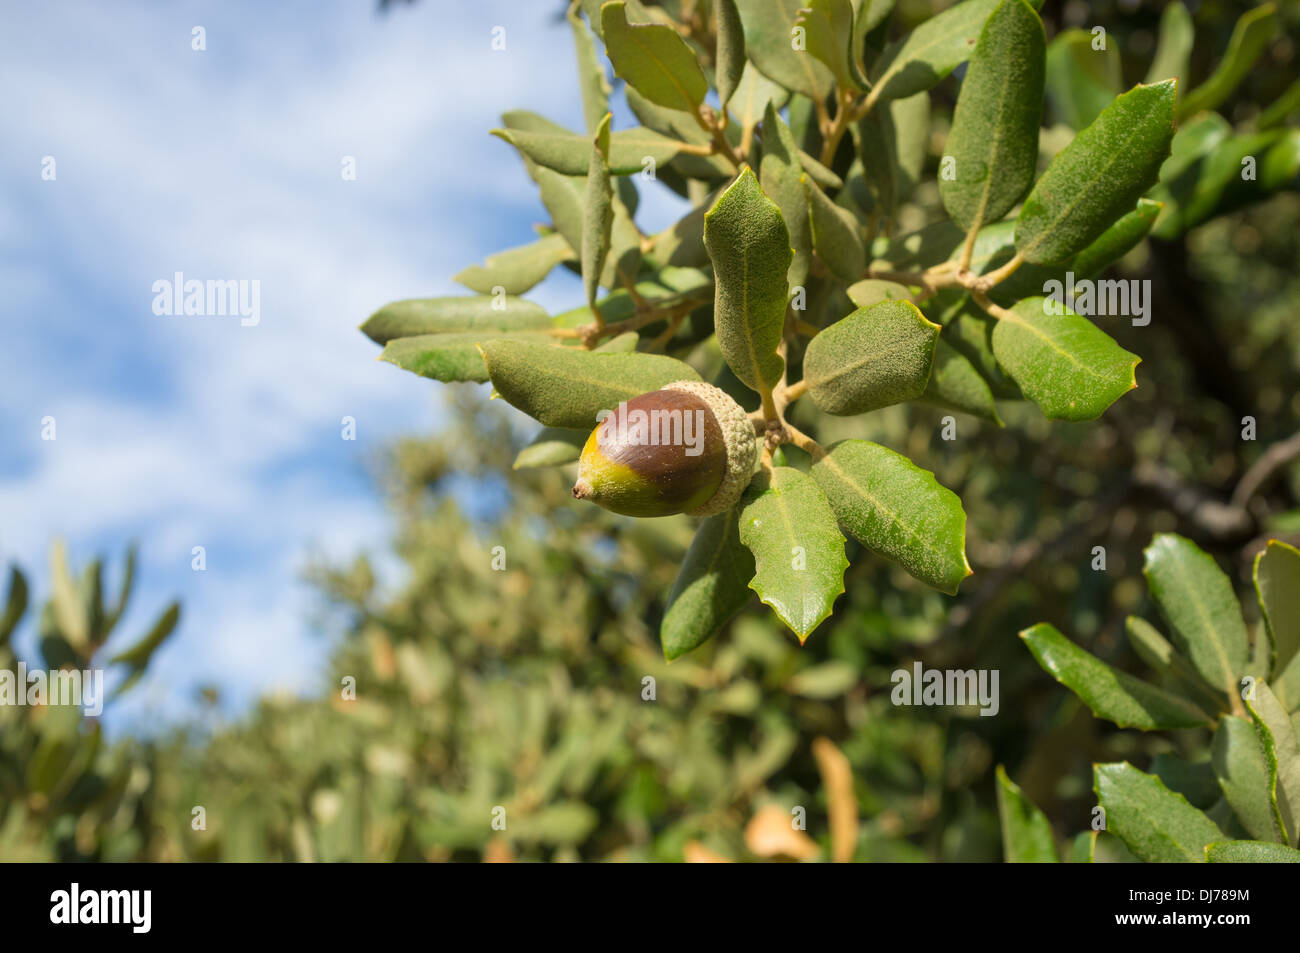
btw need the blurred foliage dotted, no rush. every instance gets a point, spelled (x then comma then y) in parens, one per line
(64, 793)
(522, 688)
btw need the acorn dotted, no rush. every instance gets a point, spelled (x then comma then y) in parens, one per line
(688, 448)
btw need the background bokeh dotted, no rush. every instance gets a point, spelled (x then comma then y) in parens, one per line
(372, 558)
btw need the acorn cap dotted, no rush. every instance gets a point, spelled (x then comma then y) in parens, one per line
(739, 438)
(687, 448)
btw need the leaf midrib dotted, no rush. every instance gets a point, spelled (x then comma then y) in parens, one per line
(1012, 318)
(993, 152)
(939, 38)
(1193, 597)
(875, 357)
(1116, 152)
(893, 516)
(672, 77)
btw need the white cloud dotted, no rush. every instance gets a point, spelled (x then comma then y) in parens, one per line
(226, 164)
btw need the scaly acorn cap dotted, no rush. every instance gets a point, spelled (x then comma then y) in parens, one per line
(639, 460)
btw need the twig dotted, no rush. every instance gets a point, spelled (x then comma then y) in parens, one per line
(1209, 517)
(804, 442)
(987, 282)
(839, 125)
(1264, 469)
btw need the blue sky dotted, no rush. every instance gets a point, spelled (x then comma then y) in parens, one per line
(225, 163)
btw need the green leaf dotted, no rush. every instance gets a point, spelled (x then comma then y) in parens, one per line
(750, 248)
(1281, 109)
(872, 291)
(1116, 241)
(730, 58)
(1154, 649)
(819, 173)
(690, 284)
(1026, 834)
(636, 13)
(1249, 39)
(798, 548)
(712, 585)
(682, 243)
(563, 197)
(835, 234)
(568, 387)
(828, 26)
(1250, 852)
(1212, 182)
(1083, 847)
(568, 822)
(15, 605)
(872, 358)
(592, 82)
(970, 332)
(624, 259)
(1099, 176)
(1277, 735)
(599, 214)
(515, 270)
(1174, 44)
(892, 143)
(827, 680)
(956, 384)
(1243, 773)
(654, 59)
(455, 356)
(555, 446)
(1277, 586)
(138, 655)
(898, 510)
(1195, 781)
(923, 248)
(114, 615)
(1081, 80)
(552, 447)
(868, 14)
(422, 316)
(569, 153)
(994, 137)
(749, 102)
(679, 127)
(1111, 694)
(769, 26)
(1196, 597)
(69, 609)
(781, 174)
(1155, 824)
(934, 49)
(561, 194)
(1063, 362)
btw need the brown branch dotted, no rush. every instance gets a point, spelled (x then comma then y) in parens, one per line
(1264, 469)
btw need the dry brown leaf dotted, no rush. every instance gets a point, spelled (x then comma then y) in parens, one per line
(842, 805)
(693, 852)
(770, 834)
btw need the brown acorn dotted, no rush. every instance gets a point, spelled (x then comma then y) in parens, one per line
(688, 448)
